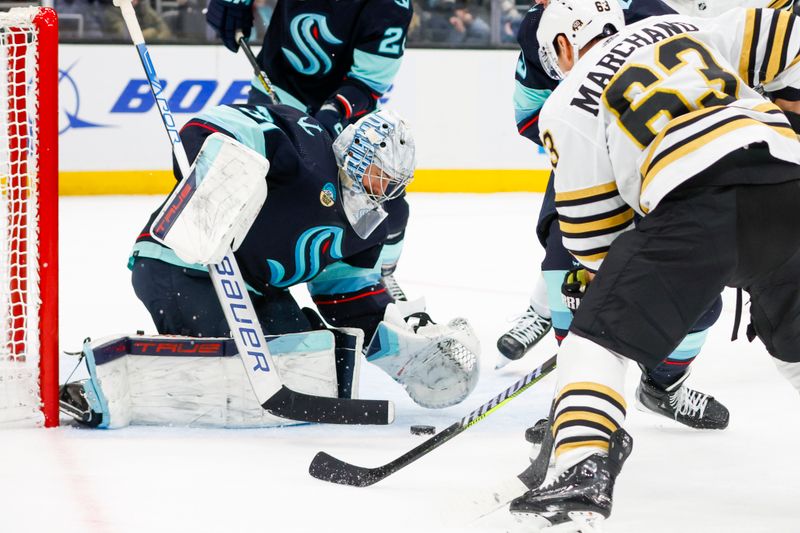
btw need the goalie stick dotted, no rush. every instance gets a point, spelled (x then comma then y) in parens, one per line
(329, 468)
(229, 285)
(257, 70)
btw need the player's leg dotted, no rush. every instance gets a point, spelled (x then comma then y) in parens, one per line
(663, 389)
(182, 301)
(771, 276)
(638, 312)
(533, 324)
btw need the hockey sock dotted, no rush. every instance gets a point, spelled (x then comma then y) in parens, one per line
(677, 364)
(590, 405)
(560, 315)
(539, 301)
(790, 371)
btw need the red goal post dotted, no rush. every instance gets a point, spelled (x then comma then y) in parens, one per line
(29, 217)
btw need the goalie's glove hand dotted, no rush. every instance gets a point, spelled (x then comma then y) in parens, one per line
(228, 16)
(574, 287)
(331, 119)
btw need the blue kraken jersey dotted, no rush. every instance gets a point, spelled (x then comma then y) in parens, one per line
(342, 52)
(533, 85)
(302, 227)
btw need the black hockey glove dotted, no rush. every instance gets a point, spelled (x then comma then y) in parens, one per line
(227, 16)
(574, 287)
(331, 119)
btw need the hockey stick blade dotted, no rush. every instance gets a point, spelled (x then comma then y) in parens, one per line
(328, 468)
(534, 475)
(287, 403)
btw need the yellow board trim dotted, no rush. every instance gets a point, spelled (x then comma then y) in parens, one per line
(425, 180)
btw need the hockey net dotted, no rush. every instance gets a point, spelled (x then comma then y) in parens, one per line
(28, 217)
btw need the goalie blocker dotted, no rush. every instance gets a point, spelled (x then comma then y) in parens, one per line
(200, 382)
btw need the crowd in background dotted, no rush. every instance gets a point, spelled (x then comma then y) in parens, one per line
(446, 23)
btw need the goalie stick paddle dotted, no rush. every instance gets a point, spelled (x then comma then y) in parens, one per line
(229, 285)
(328, 468)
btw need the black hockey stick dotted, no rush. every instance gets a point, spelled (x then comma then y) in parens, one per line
(329, 468)
(257, 70)
(229, 285)
(534, 475)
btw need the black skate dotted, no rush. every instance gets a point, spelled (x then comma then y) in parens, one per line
(516, 342)
(535, 433)
(679, 402)
(582, 494)
(72, 401)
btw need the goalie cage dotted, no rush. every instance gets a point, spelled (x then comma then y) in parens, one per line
(28, 217)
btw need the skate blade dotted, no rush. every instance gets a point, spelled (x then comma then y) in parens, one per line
(502, 361)
(576, 522)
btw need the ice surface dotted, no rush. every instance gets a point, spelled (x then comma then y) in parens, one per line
(469, 255)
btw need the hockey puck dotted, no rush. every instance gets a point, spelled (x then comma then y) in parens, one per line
(423, 430)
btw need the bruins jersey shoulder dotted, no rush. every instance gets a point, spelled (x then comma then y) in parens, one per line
(714, 8)
(626, 126)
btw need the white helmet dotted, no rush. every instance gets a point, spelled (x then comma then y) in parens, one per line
(580, 21)
(384, 140)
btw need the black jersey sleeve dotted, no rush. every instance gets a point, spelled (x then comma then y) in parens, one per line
(381, 32)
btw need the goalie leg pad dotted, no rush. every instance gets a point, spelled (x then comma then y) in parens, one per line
(437, 364)
(199, 382)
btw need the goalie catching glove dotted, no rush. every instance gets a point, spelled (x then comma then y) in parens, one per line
(437, 364)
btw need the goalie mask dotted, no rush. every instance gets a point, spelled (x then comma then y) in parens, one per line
(580, 21)
(376, 161)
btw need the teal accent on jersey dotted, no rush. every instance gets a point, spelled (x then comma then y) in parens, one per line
(690, 346)
(390, 253)
(341, 278)
(309, 244)
(312, 341)
(302, 31)
(377, 72)
(528, 101)
(403, 3)
(286, 98)
(245, 128)
(560, 314)
(152, 250)
(522, 67)
(625, 4)
(211, 148)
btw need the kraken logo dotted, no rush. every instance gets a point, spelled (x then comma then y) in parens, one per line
(312, 244)
(306, 29)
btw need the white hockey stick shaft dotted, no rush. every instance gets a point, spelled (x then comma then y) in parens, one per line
(235, 301)
(226, 276)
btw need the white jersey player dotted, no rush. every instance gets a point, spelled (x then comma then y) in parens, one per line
(714, 8)
(662, 118)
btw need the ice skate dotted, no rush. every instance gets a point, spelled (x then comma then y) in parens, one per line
(581, 497)
(679, 402)
(529, 329)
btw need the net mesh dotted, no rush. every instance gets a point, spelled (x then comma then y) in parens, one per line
(20, 402)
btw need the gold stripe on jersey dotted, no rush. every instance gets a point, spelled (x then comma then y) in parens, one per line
(747, 46)
(683, 149)
(575, 229)
(562, 448)
(683, 119)
(587, 386)
(780, 4)
(775, 57)
(587, 194)
(584, 259)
